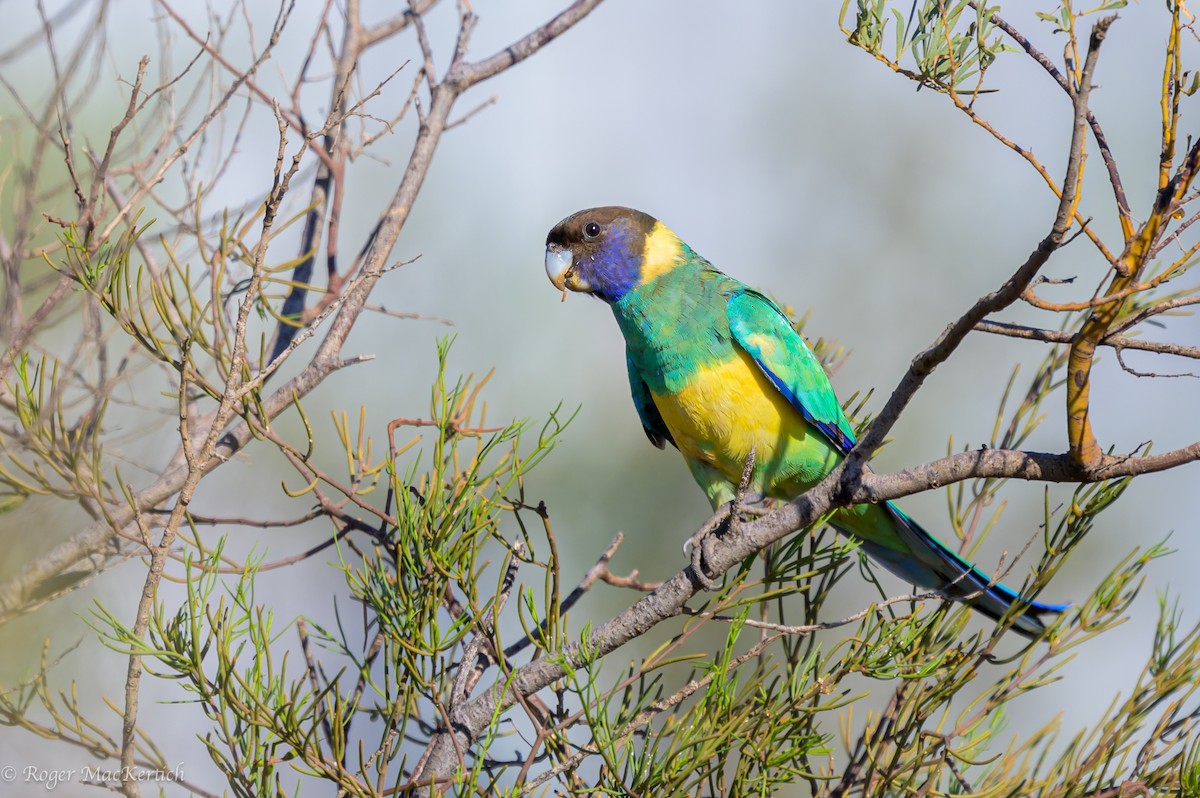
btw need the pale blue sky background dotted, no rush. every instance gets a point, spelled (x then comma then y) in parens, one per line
(795, 163)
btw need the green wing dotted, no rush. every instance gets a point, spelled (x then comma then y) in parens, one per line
(652, 420)
(886, 533)
(761, 328)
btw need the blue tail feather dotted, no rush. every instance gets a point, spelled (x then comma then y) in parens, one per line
(929, 563)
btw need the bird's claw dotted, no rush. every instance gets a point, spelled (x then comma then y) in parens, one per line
(701, 544)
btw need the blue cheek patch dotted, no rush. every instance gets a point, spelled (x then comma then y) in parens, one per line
(617, 268)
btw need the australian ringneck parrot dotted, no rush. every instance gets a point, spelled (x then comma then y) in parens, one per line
(716, 369)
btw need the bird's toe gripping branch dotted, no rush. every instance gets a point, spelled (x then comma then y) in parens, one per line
(701, 544)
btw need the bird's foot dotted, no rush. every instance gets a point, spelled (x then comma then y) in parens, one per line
(702, 543)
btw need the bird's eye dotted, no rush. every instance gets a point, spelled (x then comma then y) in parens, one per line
(591, 230)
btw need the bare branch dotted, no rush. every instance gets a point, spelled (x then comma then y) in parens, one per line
(924, 364)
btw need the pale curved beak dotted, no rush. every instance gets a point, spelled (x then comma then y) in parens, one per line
(558, 263)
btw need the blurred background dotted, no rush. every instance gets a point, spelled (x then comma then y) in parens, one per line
(788, 158)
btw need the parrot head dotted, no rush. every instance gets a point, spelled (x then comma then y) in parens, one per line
(608, 251)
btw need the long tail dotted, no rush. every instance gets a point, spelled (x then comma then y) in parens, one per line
(930, 564)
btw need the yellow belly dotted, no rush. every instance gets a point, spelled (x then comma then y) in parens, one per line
(728, 409)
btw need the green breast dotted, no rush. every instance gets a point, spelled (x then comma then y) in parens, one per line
(677, 324)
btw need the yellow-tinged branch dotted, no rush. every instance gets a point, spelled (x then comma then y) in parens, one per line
(1085, 450)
